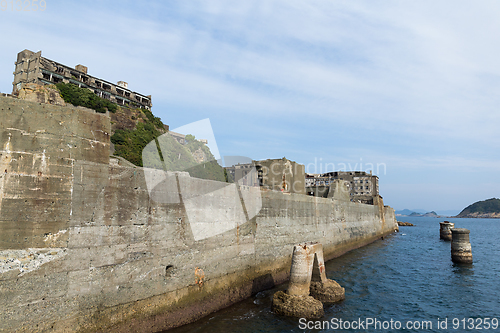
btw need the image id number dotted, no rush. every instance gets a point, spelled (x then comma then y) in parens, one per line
(23, 6)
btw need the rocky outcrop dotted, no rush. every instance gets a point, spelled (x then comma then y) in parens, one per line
(41, 94)
(405, 224)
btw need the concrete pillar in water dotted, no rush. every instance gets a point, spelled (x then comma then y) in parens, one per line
(445, 230)
(321, 288)
(461, 251)
(308, 285)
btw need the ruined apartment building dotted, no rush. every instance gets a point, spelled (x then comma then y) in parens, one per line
(245, 173)
(363, 187)
(31, 67)
(273, 174)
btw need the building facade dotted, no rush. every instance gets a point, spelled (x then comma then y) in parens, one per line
(363, 186)
(244, 173)
(31, 67)
(273, 174)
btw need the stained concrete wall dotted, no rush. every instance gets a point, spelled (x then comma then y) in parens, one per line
(39, 144)
(85, 248)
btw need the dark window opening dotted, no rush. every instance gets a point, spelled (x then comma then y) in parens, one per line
(46, 76)
(120, 92)
(106, 86)
(98, 84)
(85, 79)
(127, 94)
(55, 79)
(59, 70)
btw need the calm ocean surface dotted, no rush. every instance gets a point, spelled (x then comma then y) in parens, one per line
(408, 276)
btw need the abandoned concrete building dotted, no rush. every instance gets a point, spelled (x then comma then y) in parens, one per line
(31, 67)
(244, 172)
(281, 175)
(363, 186)
(274, 174)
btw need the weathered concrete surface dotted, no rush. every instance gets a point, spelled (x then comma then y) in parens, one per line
(39, 145)
(121, 261)
(461, 250)
(305, 257)
(445, 230)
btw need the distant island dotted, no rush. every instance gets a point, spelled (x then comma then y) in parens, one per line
(407, 212)
(429, 214)
(482, 209)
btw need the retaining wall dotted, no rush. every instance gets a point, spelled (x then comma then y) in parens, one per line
(83, 247)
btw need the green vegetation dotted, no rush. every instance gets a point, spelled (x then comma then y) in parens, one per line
(482, 207)
(130, 143)
(77, 96)
(172, 156)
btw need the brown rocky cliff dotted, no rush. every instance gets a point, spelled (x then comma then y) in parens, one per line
(41, 94)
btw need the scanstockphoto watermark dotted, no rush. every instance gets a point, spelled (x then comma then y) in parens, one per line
(363, 324)
(375, 324)
(319, 166)
(23, 6)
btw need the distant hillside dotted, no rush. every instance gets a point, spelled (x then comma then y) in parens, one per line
(407, 212)
(404, 212)
(428, 214)
(482, 209)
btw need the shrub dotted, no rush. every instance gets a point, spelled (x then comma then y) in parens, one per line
(130, 143)
(77, 96)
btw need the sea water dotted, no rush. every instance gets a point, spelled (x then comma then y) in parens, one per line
(407, 280)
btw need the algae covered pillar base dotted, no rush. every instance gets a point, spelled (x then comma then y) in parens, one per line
(297, 306)
(327, 292)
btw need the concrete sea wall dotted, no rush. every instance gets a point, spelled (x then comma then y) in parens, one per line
(84, 247)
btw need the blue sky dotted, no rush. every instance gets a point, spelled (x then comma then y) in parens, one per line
(411, 86)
